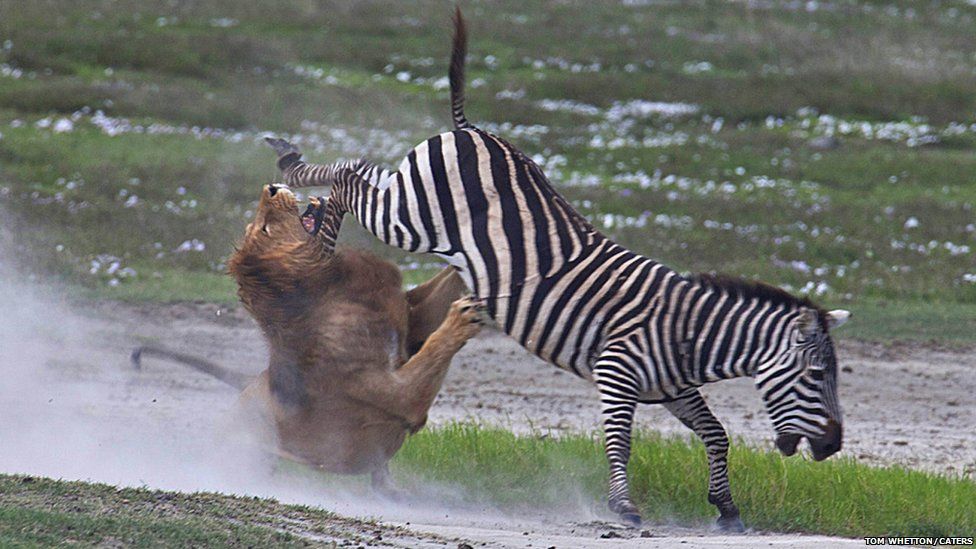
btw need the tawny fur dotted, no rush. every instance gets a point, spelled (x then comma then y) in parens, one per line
(355, 363)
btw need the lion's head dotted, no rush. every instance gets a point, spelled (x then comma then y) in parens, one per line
(276, 262)
(276, 222)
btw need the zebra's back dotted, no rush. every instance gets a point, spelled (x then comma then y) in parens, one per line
(550, 279)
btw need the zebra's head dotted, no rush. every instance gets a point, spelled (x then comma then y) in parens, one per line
(799, 386)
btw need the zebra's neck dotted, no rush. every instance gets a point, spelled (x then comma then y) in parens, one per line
(732, 335)
(374, 176)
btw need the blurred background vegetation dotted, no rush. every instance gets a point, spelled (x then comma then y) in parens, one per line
(826, 147)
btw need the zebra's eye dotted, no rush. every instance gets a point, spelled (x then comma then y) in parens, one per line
(817, 374)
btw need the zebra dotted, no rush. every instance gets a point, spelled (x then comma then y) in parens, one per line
(638, 330)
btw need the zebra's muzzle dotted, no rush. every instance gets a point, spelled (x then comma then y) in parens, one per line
(821, 448)
(787, 443)
(829, 444)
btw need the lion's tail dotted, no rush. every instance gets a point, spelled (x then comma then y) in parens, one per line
(230, 377)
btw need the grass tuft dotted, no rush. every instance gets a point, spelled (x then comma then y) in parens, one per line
(746, 184)
(466, 463)
(669, 479)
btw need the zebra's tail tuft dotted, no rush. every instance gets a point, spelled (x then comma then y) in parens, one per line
(456, 72)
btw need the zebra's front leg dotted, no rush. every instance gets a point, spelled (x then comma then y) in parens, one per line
(323, 219)
(618, 387)
(693, 411)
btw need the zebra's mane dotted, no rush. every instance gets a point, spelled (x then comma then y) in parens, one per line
(748, 289)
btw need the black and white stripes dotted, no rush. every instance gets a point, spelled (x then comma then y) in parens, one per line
(637, 329)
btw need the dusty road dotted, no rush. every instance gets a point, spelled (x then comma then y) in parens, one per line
(905, 404)
(73, 408)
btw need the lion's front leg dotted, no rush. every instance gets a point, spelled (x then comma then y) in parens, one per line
(409, 391)
(429, 304)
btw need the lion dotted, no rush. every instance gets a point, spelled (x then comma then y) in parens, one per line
(355, 362)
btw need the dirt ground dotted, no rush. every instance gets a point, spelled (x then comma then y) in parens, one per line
(904, 404)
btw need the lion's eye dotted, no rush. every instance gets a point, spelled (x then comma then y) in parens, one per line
(264, 229)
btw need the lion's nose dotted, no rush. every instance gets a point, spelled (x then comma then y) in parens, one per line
(272, 190)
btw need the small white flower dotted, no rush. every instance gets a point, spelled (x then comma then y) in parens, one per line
(191, 246)
(695, 68)
(911, 222)
(441, 83)
(223, 22)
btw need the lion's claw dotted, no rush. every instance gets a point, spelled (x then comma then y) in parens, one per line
(468, 315)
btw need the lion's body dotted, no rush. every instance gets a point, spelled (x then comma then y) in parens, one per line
(357, 321)
(355, 362)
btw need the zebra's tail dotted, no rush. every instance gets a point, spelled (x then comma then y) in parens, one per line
(230, 377)
(456, 72)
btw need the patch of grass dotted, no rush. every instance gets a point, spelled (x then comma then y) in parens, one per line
(669, 478)
(359, 79)
(169, 286)
(886, 320)
(487, 465)
(43, 512)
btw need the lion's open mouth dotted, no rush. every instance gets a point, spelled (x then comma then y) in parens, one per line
(313, 216)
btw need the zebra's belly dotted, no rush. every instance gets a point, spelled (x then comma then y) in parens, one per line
(653, 396)
(567, 345)
(573, 355)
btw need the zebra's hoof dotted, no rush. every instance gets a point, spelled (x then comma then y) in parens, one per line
(730, 525)
(280, 146)
(631, 519)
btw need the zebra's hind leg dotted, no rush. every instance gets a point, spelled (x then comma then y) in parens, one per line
(692, 410)
(613, 375)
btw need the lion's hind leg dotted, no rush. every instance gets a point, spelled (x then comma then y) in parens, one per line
(382, 484)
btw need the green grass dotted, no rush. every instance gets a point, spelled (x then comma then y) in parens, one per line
(169, 287)
(934, 322)
(835, 218)
(485, 465)
(669, 478)
(38, 512)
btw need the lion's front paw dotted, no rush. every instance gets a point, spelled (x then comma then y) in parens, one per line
(467, 316)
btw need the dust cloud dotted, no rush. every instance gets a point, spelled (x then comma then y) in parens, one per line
(72, 407)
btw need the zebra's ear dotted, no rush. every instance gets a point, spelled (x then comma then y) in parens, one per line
(837, 317)
(809, 322)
